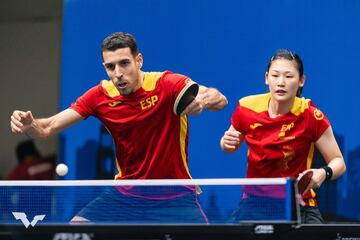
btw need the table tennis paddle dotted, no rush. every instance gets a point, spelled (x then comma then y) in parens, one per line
(303, 181)
(186, 98)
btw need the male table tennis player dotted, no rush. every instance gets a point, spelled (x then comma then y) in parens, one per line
(145, 114)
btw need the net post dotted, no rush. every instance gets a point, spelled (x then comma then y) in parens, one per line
(291, 202)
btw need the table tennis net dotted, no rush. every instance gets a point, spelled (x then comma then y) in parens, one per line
(200, 201)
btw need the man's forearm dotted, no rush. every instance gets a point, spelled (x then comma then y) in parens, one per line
(214, 100)
(39, 129)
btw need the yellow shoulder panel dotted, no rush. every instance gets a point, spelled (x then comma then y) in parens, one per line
(299, 106)
(260, 103)
(150, 79)
(110, 88)
(257, 103)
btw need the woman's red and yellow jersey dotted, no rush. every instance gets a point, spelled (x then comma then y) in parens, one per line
(151, 140)
(281, 146)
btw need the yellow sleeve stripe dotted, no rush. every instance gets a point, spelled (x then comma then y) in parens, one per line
(183, 132)
(310, 156)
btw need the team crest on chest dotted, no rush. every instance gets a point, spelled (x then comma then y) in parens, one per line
(318, 115)
(285, 128)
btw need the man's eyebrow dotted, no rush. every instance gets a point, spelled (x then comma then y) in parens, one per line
(119, 61)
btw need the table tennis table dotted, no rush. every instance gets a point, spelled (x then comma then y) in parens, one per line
(258, 230)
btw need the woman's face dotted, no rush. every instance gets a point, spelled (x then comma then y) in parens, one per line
(284, 80)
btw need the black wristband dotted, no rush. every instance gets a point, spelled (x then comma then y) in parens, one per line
(328, 172)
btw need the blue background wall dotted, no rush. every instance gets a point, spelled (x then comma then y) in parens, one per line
(224, 44)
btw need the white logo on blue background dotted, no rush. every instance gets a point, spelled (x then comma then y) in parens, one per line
(23, 218)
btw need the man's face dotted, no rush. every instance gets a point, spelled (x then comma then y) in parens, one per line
(123, 69)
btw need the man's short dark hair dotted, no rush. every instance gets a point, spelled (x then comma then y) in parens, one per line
(119, 40)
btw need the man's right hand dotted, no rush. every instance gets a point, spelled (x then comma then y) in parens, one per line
(21, 121)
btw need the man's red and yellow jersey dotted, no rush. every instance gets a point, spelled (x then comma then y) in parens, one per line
(281, 146)
(151, 140)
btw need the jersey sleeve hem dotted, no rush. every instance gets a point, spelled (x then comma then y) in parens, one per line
(181, 94)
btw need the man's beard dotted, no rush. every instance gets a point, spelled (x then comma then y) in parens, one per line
(125, 92)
